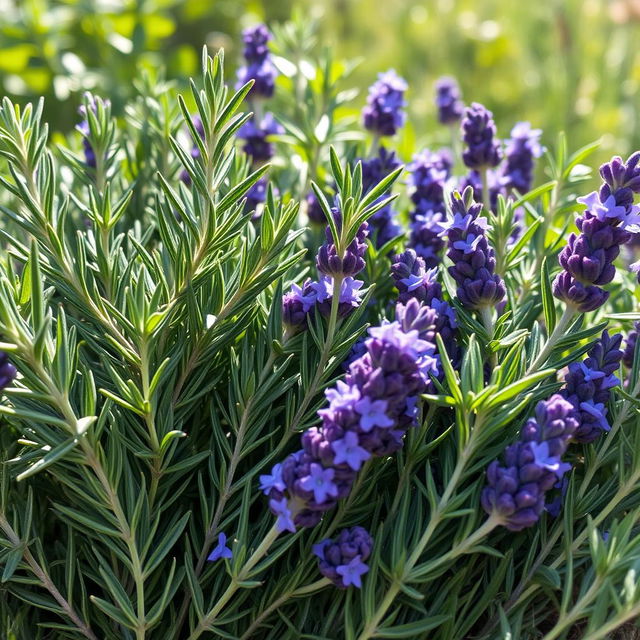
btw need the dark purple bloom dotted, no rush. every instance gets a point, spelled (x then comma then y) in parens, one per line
(7, 371)
(84, 129)
(553, 424)
(479, 133)
(382, 223)
(429, 173)
(516, 491)
(448, 101)
(588, 387)
(256, 136)
(256, 41)
(315, 213)
(259, 67)
(413, 280)
(297, 304)
(350, 296)
(352, 262)
(383, 113)
(367, 415)
(255, 197)
(630, 345)
(473, 259)
(521, 151)
(343, 560)
(607, 223)
(221, 550)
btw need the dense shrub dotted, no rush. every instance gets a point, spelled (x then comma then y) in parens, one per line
(227, 414)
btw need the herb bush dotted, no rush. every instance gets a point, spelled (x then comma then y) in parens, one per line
(261, 381)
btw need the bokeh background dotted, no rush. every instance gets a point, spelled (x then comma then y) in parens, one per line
(571, 65)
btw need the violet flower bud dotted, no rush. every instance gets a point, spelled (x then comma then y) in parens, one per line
(448, 101)
(259, 67)
(352, 262)
(473, 259)
(479, 133)
(630, 345)
(588, 387)
(256, 135)
(7, 371)
(521, 151)
(383, 113)
(342, 560)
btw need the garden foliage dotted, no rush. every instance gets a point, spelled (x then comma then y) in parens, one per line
(262, 381)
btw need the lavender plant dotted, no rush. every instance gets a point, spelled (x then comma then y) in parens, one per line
(414, 419)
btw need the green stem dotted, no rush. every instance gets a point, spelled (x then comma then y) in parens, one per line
(555, 336)
(486, 198)
(45, 580)
(276, 604)
(435, 520)
(257, 555)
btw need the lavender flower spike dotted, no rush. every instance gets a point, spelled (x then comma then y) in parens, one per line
(588, 387)
(259, 67)
(521, 151)
(450, 106)
(515, 492)
(479, 133)
(343, 560)
(352, 262)
(630, 345)
(473, 259)
(7, 371)
(587, 260)
(383, 114)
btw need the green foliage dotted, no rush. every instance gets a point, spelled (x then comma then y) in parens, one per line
(156, 383)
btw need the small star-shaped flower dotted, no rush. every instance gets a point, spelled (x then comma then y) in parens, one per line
(273, 480)
(469, 245)
(221, 551)
(284, 521)
(590, 374)
(413, 282)
(348, 450)
(598, 411)
(372, 413)
(320, 483)
(351, 572)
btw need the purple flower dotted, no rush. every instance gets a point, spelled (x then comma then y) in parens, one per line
(348, 451)
(516, 491)
(450, 106)
(221, 550)
(344, 396)
(521, 151)
(315, 213)
(272, 480)
(297, 305)
(428, 175)
(320, 482)
(543, 458)
(383, 113)
(382, 222)
(473, 259)
(351, 262)
(630, 345)
(256, 136)
(342, 560)
(7, 371)
(284, 521)
(350, 296)
(587, 260)
(588, 387)
(351, 572)
(372, 413)
(259, 67)
(479, 132)
(85, 130)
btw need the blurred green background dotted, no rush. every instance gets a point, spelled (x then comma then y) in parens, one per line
(568, 65)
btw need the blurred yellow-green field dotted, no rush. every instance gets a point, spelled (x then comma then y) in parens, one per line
(569, 65)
